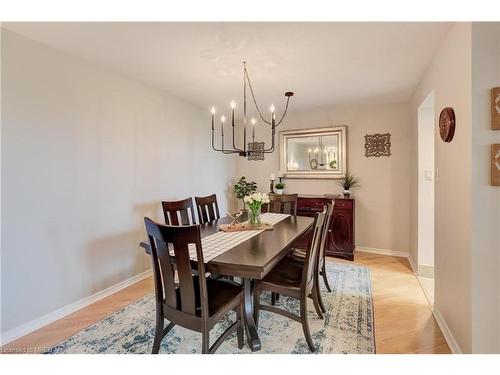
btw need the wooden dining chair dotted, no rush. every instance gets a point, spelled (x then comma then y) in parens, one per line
(300, 255)
(183, 208)
(294, 279)
(207, 208)
(197, 302)
(283, 204)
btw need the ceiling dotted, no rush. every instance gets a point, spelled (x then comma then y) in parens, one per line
(323, 63)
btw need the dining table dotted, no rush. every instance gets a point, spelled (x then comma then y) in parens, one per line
(251, 259)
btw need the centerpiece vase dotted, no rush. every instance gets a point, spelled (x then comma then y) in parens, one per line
(254, 217)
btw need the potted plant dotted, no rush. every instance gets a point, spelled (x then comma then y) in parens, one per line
(348, 182)
(279, 187)
(242, 188)
(254, 202)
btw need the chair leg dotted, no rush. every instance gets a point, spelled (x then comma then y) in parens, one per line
(318, 294)
(256, 304)
(277, 296)
(158, 332)
(317, 306)
(273, 298)
(240, 313)
(320, 301)
(325, 278)
(305, 324)
(205, 340)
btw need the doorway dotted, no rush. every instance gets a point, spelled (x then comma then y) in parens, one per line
(426, 177)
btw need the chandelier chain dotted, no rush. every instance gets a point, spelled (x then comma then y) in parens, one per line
(255, 101)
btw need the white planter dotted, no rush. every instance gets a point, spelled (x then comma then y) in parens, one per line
(279, 191)
(347, 193)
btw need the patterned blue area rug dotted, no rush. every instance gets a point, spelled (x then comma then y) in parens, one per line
(347, 327)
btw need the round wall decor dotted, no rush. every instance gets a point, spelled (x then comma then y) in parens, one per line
(447, 124)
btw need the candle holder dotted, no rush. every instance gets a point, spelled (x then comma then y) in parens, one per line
(271, 186)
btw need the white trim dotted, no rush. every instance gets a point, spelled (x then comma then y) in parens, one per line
(51, 317)
(425, 270)
(445, 330)
(401, 254)
(412, 264)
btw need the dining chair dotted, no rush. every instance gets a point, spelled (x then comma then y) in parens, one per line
(300, 255)
(183, 208)
(207, 208)
(294, 279)
(197, 302)
(283, 204)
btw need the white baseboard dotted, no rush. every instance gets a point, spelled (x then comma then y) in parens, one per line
(412, 265)
(372, 250)
(44, 320)
(445, 330)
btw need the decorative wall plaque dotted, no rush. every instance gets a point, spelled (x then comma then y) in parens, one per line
(378, 145)
(447, 124)
(256, 151)
(495, 108)
(495, 164)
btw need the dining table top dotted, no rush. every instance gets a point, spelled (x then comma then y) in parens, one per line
(255, 257)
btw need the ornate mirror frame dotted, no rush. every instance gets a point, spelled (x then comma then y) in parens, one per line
(340, 131)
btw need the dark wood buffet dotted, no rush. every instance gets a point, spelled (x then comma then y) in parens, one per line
(340, 241)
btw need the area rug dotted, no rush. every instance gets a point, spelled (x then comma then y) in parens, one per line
(347, 326)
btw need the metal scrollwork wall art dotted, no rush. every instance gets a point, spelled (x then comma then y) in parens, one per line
(256, 151)
(495, 164)
(495, 108)
(378, 145)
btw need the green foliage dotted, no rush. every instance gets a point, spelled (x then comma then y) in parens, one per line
(280, 185)
(243, 188)
(349, 181)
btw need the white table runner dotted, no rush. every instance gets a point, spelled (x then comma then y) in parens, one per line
(220, 242)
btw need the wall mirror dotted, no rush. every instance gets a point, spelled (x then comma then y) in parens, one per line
(314, 153)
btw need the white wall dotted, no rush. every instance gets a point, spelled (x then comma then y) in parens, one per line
(426, 128)
(486, 198)
(449, 75)
(382, 200)
(86, 154)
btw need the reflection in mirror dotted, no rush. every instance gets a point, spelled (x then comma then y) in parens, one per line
(310, 153)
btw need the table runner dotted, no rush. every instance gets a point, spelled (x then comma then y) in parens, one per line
(221, 242)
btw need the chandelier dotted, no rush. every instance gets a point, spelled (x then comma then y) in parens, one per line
(253, 150)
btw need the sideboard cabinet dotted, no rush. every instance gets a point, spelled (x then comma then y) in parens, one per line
(340, 241)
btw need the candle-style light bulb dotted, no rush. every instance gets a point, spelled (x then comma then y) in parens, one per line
(253, 122)
(223, 119)
(272, 108)
(233, 104)
(212, 111)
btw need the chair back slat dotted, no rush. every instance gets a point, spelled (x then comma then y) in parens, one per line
(283, 204)
(326, 230)
(208, 208)
(183, 208)
(186, 285)
(169, 245)
(311, 261)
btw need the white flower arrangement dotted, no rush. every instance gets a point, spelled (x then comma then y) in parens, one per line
(256, 200)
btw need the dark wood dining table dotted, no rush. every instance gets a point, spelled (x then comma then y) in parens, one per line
(253, 259)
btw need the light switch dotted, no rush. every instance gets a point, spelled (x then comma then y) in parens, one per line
(428, 174)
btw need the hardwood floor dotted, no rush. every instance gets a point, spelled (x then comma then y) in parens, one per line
(403, 318)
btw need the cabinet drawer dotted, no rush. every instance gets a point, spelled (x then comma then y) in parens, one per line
(311, 203)
(343, 204)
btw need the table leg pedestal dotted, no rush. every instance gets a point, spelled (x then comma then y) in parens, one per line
(252, 336)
